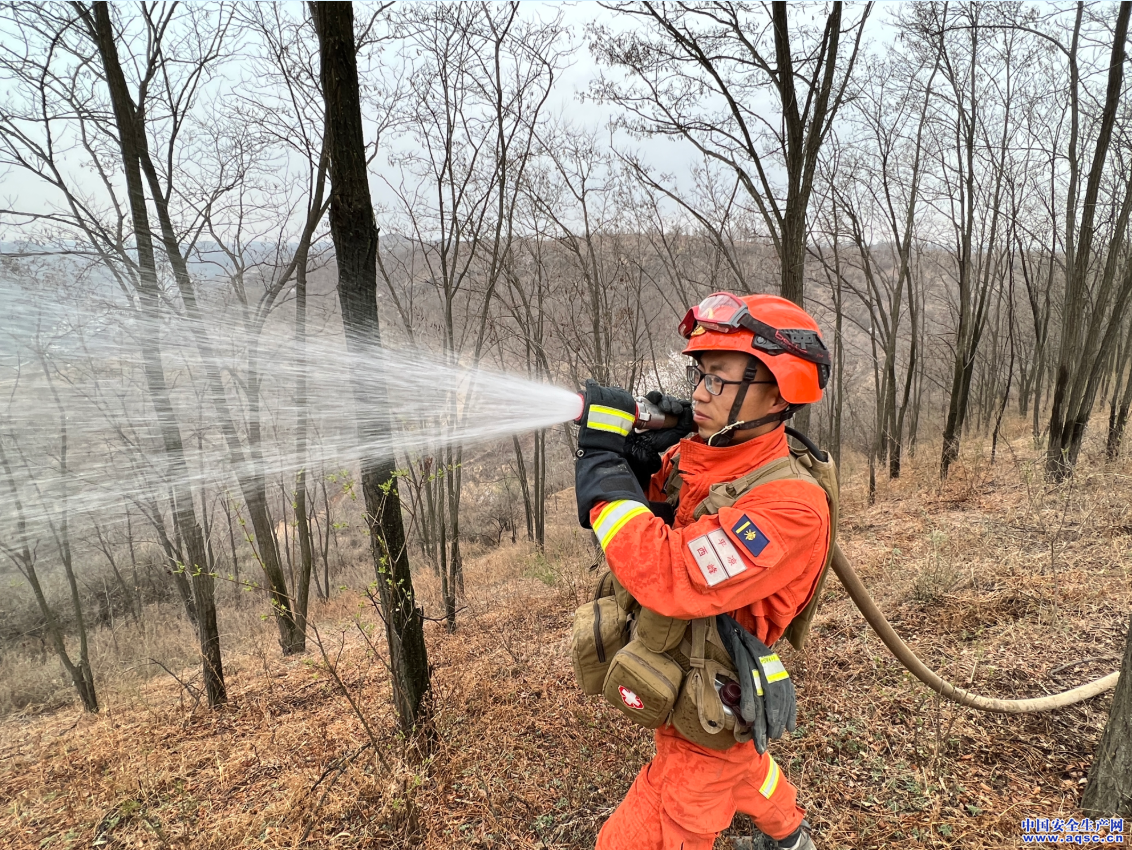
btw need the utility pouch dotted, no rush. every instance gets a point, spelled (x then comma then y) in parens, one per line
(608, 585)
(657, 632)
(642, 684)
(699, 714)
(601, 629)
(604, 585)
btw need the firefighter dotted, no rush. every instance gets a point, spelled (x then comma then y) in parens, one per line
(757, 360)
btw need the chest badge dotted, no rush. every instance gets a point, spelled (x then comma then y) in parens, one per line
(750, 535)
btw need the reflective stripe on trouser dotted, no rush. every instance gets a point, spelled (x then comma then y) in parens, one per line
(687, 795)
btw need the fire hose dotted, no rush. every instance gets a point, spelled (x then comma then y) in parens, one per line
(904, 654)
(649, 417)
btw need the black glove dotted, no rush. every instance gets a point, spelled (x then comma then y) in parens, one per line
(751, 708)
(602, 476)
(607, 419)
(643, 449)
(779, 699)
(779, 702)
(672, 406)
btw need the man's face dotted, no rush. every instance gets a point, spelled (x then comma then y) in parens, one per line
(711, 411)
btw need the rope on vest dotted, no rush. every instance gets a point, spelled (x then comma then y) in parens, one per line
(879, 623)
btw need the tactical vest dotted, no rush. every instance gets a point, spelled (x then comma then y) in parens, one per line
(659, 670)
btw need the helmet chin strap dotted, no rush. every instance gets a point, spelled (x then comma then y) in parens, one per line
(749, 374)
(724, 435)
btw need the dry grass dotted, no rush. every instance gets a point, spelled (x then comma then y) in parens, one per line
(994, 579)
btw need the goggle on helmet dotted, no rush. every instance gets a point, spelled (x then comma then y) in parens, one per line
(791, 347)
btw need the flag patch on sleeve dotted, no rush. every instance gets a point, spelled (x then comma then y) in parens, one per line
(750, 535)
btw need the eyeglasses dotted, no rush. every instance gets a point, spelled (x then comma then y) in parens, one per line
(724, 313)
(712, 383)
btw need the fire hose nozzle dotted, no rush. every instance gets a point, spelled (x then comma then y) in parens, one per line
(649, 416)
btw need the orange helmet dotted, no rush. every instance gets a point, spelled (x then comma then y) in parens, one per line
(778, 332)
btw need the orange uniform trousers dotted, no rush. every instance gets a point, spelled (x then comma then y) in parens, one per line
(687, 795)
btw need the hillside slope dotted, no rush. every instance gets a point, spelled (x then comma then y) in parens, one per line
(999, 582)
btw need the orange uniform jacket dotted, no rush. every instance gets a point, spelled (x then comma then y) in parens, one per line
(758, 560)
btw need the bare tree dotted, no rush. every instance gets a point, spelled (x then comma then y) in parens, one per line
(893, 109)
(96, 20)
(354, 232)
(972, 130)
(286, 108)
(1094, 304)
(703, 72)
(22, 549)
(478, 78)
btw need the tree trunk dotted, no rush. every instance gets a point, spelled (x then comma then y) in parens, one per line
(891, 435)
(540, 490)
(429, 526)
(1118, 419)
(802, 142)
(174, 560)
(84, 682)
(302, 519)
(524, 487)
(302, 587)
(202, 580)
(1109, 791)
(1009, 377)
(455, 557)
(326, 538)
(354, 232)
(1081, 337)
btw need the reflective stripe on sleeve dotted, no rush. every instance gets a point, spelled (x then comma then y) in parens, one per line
(773, 667)
(611, 419)
(771, 781)
(614, 516)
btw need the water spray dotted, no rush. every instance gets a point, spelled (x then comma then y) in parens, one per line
(74, 363)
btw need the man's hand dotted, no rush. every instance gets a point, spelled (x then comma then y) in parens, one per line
(643, 450)
(607, 419)
(672, 406)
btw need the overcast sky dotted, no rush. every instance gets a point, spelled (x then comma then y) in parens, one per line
(676, 158)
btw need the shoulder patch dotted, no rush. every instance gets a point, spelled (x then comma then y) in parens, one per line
(716, 557)
(707, 560)
(750, 535)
